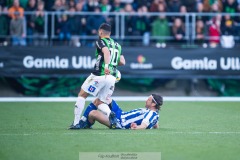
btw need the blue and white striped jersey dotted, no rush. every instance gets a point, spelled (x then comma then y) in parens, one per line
(138, 116)
(135, 116)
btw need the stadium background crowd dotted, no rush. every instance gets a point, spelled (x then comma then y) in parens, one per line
(26, 29)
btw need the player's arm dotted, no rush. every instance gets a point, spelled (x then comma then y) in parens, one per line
(102, 46)
(122, 61)
(107, 55)
(141, 126)
(156, 126)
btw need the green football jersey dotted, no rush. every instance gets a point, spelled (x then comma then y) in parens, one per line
(115, 52)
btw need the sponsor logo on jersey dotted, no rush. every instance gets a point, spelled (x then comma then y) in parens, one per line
(91, 88)
(95, 83)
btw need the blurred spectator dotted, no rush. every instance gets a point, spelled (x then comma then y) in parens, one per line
(59, 6)
(127, 1)
(64, 5)
(3, 25)
(154, 6)
(140, 3)
(214, 32)
(212, 5)
(105, 6)
(230, 6)
(39, 18)
(215, 8)
(49, 4)
(94, 21)
(130, 20)
(71, 4)
(157, 4)
(174, 6)
(200, 9)
(17, 30)
(30, 18)
(3, 4)
(142, 21)
(116, 6)
(81, 24)
(23, 3)
(178, 30)
(200, 31)
(183, 11)
(190, 5)
(16, 8)
(75, 27)
(142, 25)
(160, 27)
(64, 29)
(161, 8)
(228, 29)
(91, 5)
(228, 26)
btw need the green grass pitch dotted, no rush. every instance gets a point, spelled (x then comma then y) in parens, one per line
(188, 131)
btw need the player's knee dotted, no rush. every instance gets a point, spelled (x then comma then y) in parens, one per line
(83, 94)
(93, 113)
(97, 102)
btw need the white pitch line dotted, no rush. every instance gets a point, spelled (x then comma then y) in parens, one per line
(119, 98)
(114, 133)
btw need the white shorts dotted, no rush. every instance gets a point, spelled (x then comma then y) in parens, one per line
(101, 87)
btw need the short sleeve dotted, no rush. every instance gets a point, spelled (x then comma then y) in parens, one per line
(100, 44)
(149, 117)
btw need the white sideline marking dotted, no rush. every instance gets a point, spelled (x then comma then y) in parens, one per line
(115, 133)
(124, 98)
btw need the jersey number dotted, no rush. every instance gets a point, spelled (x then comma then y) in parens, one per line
(114, 56)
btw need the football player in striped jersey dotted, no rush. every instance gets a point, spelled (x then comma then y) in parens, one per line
(141, 118)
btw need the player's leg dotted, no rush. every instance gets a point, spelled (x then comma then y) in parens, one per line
(104, 96)
(100, 117)
(84, 122)
(89, 87)
(90, 116)
(103, 107)
(104, 99)
(79, 106)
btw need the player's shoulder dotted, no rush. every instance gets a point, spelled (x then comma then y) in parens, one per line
(153, 113)
(100, 43)
(115, 42)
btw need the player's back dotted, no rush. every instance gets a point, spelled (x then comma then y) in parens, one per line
(115, 50)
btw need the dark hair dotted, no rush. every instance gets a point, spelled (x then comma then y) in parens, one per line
(158, 100)
(106, 27)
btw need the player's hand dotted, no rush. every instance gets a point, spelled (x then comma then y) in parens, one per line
(106, 71)
(133, 125)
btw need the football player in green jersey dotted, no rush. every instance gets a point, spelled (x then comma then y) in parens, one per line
(101, 81)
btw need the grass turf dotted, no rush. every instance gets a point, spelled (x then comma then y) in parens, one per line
(188, 130)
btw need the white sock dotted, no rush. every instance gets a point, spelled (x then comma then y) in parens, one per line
(79, 106)
(104, 109)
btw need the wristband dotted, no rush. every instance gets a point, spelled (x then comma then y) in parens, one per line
(106, 66)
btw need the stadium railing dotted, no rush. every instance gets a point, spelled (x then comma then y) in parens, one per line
(120, 31)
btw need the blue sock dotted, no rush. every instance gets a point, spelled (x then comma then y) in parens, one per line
(89, 108)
